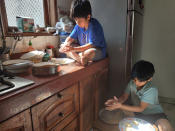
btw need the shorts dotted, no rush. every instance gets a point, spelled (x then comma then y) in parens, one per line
(98, 54)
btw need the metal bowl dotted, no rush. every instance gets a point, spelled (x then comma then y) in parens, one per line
(19, 67)
(45, 69)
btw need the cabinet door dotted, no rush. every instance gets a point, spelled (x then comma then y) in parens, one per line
(20, 122)
(60, 109)
(101, 90)
(86, 103)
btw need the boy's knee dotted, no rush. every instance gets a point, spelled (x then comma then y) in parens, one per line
(91, 50)
(164, 125)
(88, 53)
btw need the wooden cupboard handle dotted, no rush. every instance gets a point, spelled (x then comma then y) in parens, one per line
(59, 95)
(61, 114)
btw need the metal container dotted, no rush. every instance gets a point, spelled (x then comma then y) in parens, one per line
(17, 67)
(45, 69)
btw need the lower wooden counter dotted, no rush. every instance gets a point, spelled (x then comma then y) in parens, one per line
(69, 100)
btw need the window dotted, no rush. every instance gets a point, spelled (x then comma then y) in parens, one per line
(25, 8)
(43, 12)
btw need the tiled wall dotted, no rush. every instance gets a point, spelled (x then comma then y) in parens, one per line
(39, 42)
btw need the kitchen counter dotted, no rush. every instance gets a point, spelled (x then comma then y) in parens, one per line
(45, 87)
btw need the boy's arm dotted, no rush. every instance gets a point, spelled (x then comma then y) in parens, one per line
(140, 108)
(123, 98)
(82, 48)
(68, 41)
(65, 47)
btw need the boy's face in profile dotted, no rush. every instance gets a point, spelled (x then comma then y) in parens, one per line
(140, 83)
(82, 22)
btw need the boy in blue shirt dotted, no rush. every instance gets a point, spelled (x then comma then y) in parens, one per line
(89, 34)
(144, 97)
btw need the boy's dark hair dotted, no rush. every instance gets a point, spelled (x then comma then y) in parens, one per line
(142, 70)
(81, 9)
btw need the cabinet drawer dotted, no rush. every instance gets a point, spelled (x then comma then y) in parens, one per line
(72, 126)
(54, 110)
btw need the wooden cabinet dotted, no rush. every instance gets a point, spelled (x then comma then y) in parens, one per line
(20, 122)
(72, 108)
(72, 126)
(93, 94)
(87, 87)
(101, 90)
(58, 110)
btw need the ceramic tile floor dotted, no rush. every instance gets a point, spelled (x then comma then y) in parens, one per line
(169, 109)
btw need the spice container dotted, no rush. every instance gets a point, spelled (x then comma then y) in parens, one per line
(49, 50)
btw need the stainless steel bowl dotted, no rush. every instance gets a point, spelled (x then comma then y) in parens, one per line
(18, 67)
(45, 70)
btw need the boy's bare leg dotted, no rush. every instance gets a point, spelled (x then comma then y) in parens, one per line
(164, 125)
(74, 56)
(83, 57)
(86, 56)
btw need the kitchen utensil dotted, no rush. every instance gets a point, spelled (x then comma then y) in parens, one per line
(111, 117)
(51, 29)
(135, 124)
(45, 69)
(62, 61)
(17, 65)
(34, 56)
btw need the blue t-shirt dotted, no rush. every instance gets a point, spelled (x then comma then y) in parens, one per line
(93, 35)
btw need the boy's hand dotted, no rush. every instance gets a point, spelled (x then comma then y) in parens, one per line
(65, 48)
(62, 48)
(111, 101)
(114, 106)
(69, 48)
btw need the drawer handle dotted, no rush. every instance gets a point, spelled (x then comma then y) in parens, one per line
(59, 95)
(61, 114)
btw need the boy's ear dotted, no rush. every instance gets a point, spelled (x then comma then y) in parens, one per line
(150, 79)
(88, 17)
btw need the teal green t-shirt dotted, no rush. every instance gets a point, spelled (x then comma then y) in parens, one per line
(148, 94)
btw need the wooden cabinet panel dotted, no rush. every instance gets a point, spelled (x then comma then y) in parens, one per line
(72, 126)
(56, 109)
(87, 86)
(101, 89)
(20, 122)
